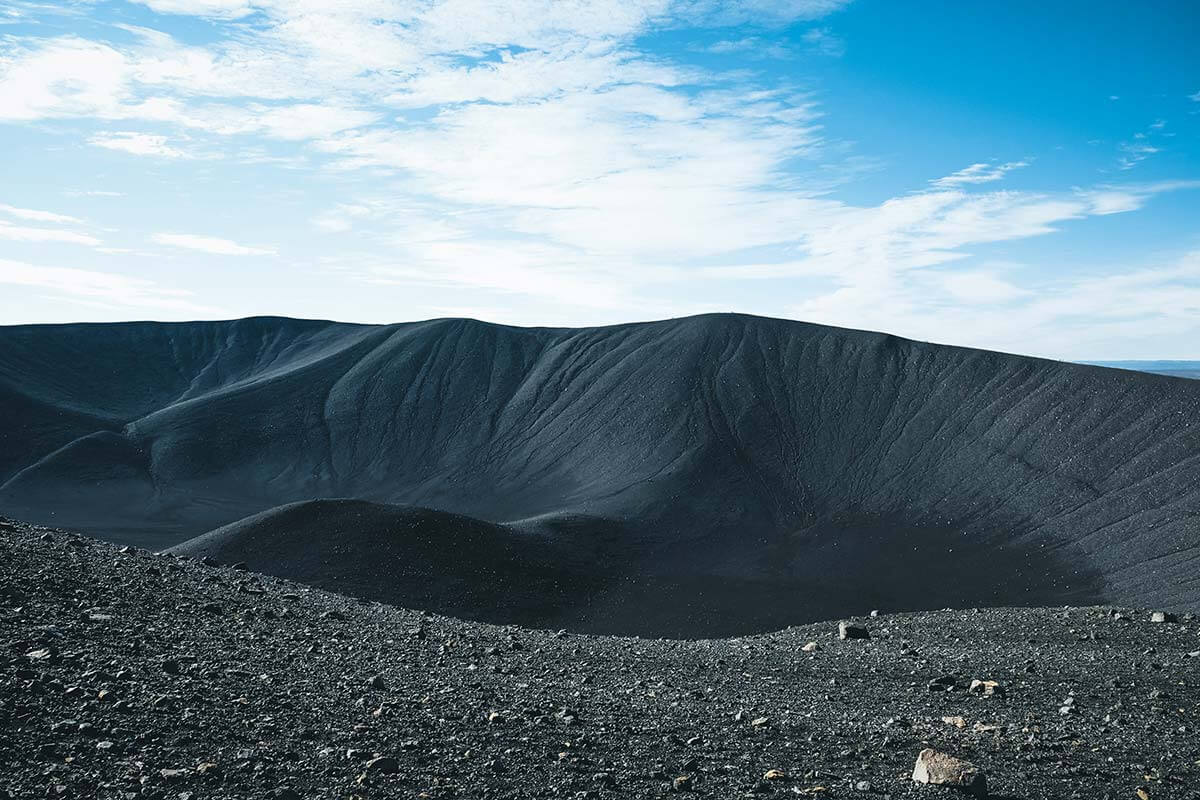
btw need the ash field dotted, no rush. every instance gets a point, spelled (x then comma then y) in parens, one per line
(130, 675)
(407, 560)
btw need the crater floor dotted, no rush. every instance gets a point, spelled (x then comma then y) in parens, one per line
(128, 675)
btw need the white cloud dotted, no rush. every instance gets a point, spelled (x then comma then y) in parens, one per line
(20, 233)
(825, 42)
(530, 150)
(1098, 315)
(1195, 97)
(754, 12)
(978, 173)
(733, 45)
(1113, 201)
(341, 218)
(138, 144)
(63, 77)
(1142, 145)
(980, 288)
(103, 287)
(39, 216)
(625, 170)
(209, 244)
(1135, 153)
(226, 9)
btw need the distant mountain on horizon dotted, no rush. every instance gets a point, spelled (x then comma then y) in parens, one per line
(705, 460)
(1178, 369)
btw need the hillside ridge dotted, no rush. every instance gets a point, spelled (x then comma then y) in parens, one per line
(721, 447)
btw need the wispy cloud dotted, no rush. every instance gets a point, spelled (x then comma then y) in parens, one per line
(21, 233)
(1141, 145)
(978, 173)
(539, 154)
(209, 244)
(66, 228)
(1111, 315)
(103, 287)
(221, 9)
(138, 144)
(34, 215)
(825, 42)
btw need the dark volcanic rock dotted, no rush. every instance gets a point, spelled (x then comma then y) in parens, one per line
(848, 631)
(253, 712)
(710, 475)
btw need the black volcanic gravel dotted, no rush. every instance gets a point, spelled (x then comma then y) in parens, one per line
(125, 674)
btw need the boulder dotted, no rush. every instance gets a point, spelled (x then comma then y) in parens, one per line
(939, 769)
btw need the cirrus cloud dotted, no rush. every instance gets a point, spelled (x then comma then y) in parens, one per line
(209, 244)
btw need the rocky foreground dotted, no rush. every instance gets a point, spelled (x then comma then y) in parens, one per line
(126, 674)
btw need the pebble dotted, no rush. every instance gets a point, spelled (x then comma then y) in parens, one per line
(385, 765)
(848, 631)
(986, 688)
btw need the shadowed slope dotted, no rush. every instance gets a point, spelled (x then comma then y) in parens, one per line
(580, 574)
(722, 447)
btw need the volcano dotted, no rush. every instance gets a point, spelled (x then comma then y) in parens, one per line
(698, 476)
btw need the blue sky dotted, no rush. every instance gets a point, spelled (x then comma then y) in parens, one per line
(1018, 176)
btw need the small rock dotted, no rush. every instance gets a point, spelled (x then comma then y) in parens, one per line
(957, 722)
(1161, 617)
(682, 784)
(811, 647)
(848, 631)
(174, 774)
(939, 769)
(864, 786)
(384, 765)
(775, 775)
(945, 683)
(376, 682)
(758, 722)
(986, 688)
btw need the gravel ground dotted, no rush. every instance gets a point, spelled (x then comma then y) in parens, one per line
(126, 674)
